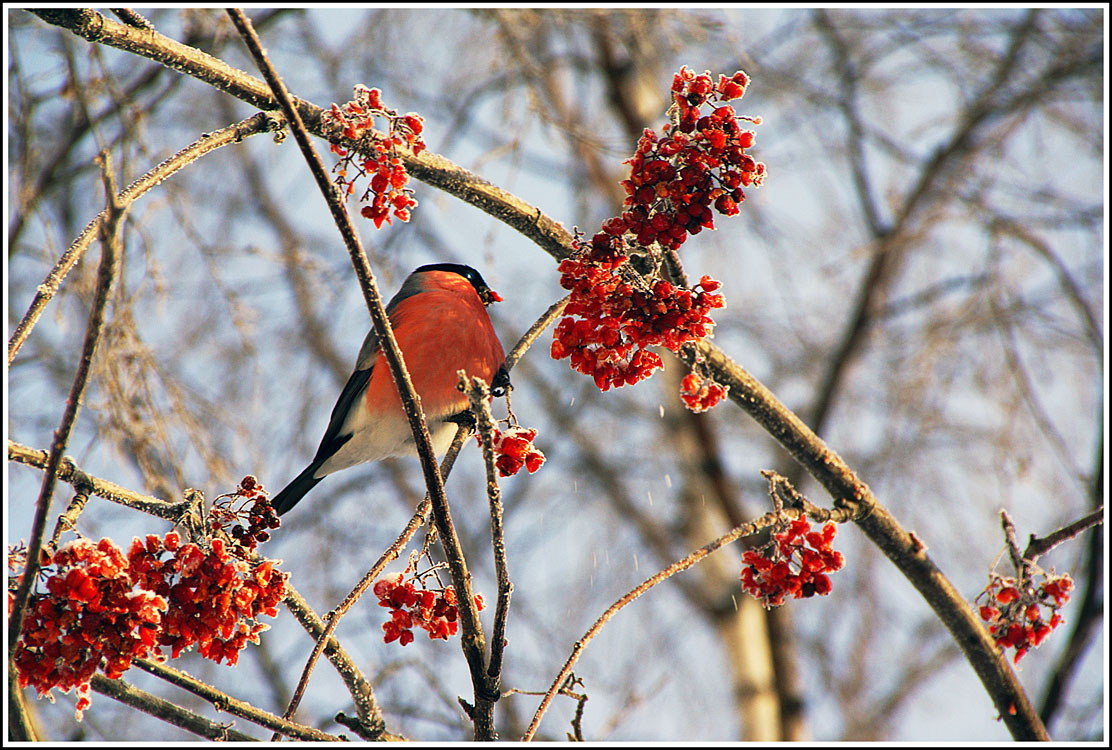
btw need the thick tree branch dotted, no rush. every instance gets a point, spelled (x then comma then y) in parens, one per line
(472, 638)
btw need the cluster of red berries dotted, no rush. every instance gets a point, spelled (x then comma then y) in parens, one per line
(433, 610)
(699, 393)
(247, 512)
(608, 323)
(795, 562)
(86, 614)
(388, 178)
(1014, 612)
(215, 596)
(95, 607)
(676, 179)
(514, 449)
(699, 162)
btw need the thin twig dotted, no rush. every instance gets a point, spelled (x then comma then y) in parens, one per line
(224, 702)
(1039, 546)
(106, 275)
(1022, 566)
(566, 689)
(259, 123)
(746, 529)
(420, 517)
(479, 394)
(358, 686)
(783, 494)
(68, 520)
(353, 723)
(544, 321)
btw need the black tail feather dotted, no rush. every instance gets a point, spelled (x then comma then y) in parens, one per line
(296, 489)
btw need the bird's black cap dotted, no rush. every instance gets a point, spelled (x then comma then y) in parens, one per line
(467, 272)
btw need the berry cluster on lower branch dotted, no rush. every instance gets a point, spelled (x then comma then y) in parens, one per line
(795, 562)
(411, 607)
(93, 606)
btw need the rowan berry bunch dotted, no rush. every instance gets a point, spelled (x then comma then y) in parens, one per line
(677, 180)
(246, 515)
(85, 613)
(215, 596)
(795, 562)
(355, 120)
(699, 162)
(412, 605)
(514, 449)
(1014, 611)
(93, 606)
(610, 320)
(700, 393)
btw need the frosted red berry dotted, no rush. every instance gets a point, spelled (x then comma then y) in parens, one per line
(386, 195)
(1020, 615)
(514, 450)
(796, 563)
(413, 606)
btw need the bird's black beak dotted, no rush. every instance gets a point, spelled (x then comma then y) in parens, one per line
(501, 382)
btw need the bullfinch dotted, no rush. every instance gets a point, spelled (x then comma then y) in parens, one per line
(441, 324)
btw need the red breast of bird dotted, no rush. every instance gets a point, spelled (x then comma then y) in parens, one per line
(441, 326)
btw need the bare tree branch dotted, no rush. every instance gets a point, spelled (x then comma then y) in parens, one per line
(259, 123)
(106, 275)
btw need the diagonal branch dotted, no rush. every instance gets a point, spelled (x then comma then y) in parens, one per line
(472, 638)
(226, 703)
(167, 711)
(69, 472)
(259, 123)
(680, 565)
(420, 517)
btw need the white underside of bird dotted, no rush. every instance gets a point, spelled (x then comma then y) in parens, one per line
(383, 436)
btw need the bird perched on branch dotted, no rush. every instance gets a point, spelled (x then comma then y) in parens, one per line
(441, 324)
